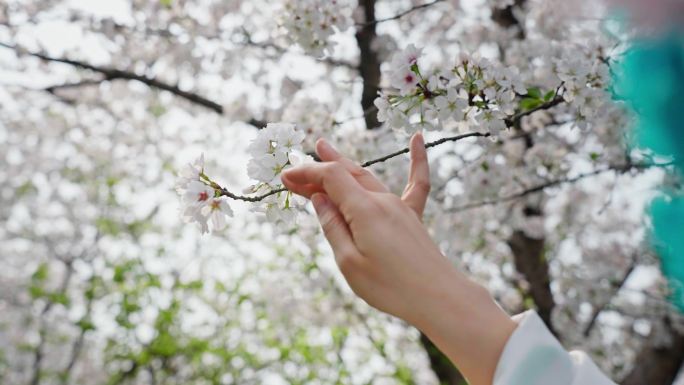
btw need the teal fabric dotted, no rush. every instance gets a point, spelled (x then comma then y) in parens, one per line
(650, 78)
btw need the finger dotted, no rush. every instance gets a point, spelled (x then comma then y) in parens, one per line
(418, 186)
(326, 152)
(330, 177)
(335, 229)
(305, 190)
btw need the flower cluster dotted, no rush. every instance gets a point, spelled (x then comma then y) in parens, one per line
(585, 81)
(276, 147)
(311, 116)
(311, 23)
(202, 202)
(475, 91)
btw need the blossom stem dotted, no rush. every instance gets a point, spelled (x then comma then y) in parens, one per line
(257, 198)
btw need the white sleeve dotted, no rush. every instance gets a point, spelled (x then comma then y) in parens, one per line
(533, 356)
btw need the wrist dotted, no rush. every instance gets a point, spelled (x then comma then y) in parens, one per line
(465, 322)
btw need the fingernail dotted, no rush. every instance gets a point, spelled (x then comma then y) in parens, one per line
(327, 146)
(419, 136)
(321, 203)
(283, 175)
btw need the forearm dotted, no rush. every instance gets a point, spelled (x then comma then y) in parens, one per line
(465, 323)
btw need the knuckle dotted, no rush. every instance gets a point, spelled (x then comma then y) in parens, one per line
(422, 185)
(332, 170)
(332, 167)
(360, 171)
(385, 205)
(347, 261)
(372, 205)
(391, 200)
(331, 223)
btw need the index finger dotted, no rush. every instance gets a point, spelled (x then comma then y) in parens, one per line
(331, 177)
(418, 187)
(365, 178)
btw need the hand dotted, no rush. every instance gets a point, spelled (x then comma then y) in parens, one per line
(380, 244)
(389, 260)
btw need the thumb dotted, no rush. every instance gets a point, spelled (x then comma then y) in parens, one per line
(334, 227)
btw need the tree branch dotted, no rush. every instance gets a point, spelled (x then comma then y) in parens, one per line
(261, 197)
(405, 150)
(39, 353)
(617, 286)
(400, 14)
(269, 45)
(541, 187)
(427, 145)
(114, 73)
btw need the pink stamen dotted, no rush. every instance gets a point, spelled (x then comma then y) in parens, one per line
(203, 196)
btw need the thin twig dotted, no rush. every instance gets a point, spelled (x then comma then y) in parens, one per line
(555, 101)
(114, 73)
(617, 287)
(405, 150)
(427, 145)
(545, 106)
(400, 14)
(541, 187)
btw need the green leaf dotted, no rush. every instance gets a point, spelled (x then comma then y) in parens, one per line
(158, 110)
(403, 374)
(111, 181)
(529, 103)
(36, 291)
(60, 298)
(339, 334)
(164, 345)
(107, 226)
(120, 271)
(25, 188)
(85, 324)
(534, 93)
(192, 285)
(41, 273)
(549, 95)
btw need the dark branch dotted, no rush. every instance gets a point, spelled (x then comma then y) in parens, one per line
(281, 50)
(427, 145)
(39, 353)
(81, 83)
(541, 187)
(513, 120)
(405, 150)
(110, 73)
(616, 287)
(261, 197)
(400, 14)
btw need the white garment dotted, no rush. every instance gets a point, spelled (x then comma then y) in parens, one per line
(533, 356)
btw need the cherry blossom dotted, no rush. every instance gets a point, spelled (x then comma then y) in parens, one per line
(311, 23)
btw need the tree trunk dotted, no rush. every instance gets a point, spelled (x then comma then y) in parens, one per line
(530, 261)
(369, 64)
(658, 364)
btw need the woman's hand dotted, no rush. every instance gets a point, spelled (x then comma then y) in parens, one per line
(389, 260)
(379, 241)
